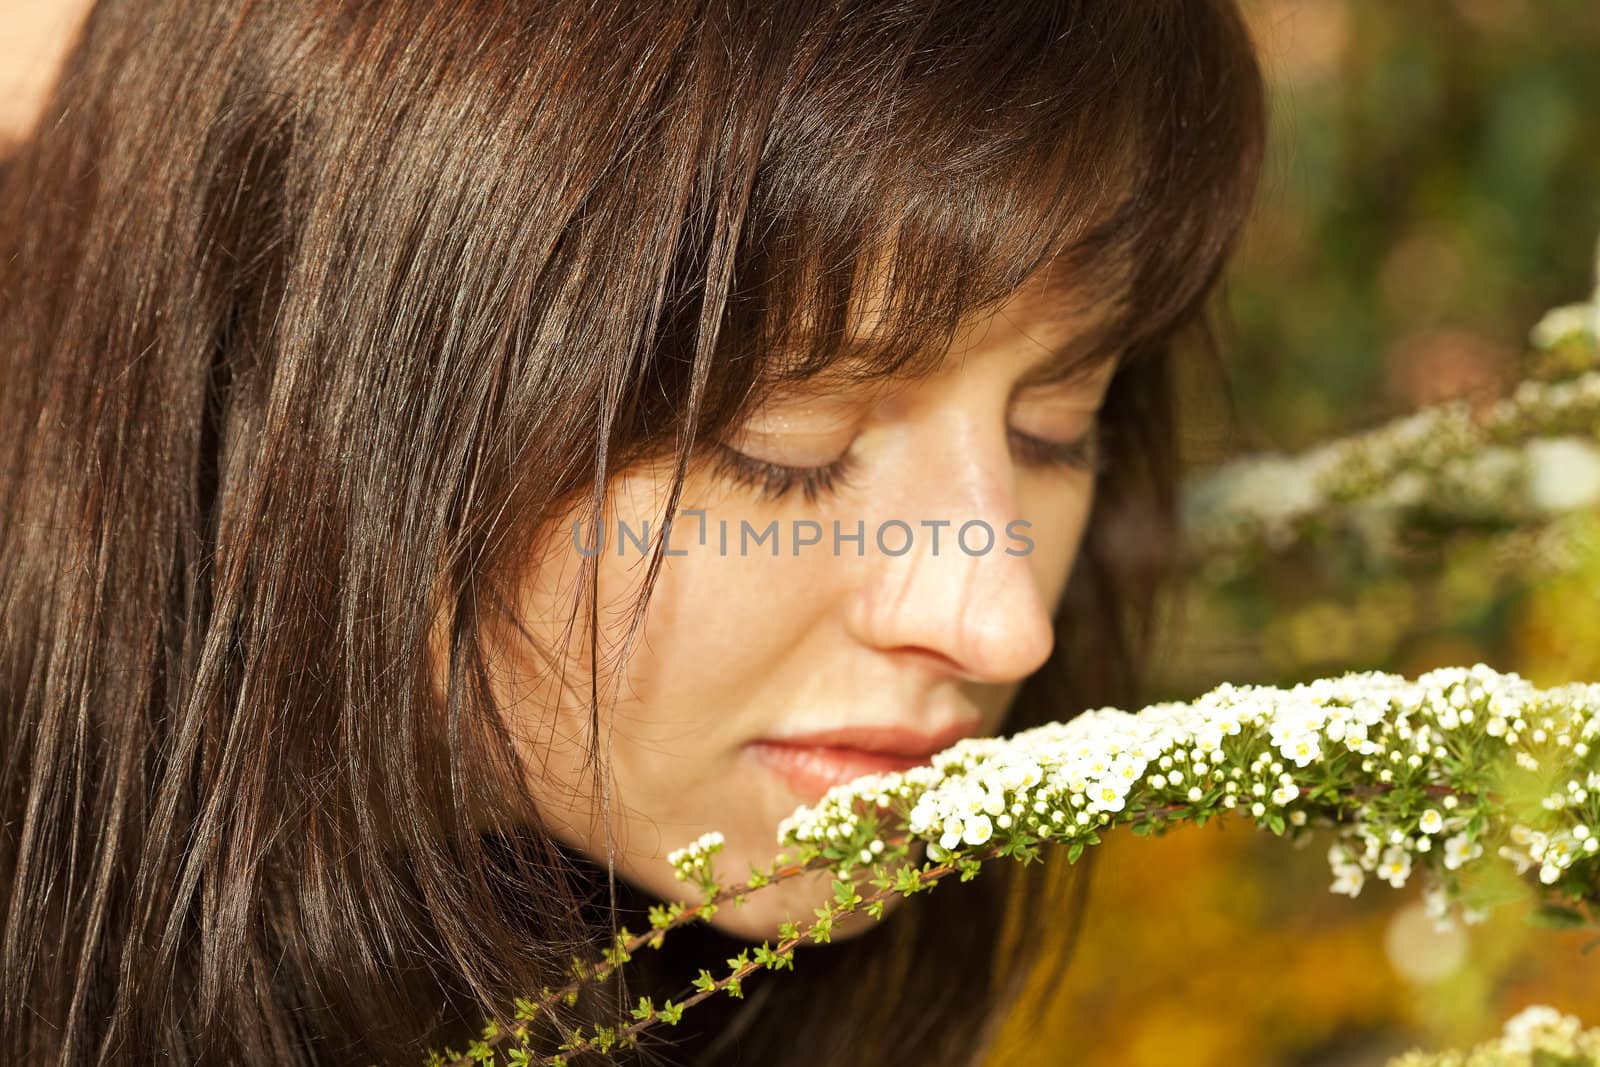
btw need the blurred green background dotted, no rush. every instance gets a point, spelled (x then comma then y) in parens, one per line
(1433, 187)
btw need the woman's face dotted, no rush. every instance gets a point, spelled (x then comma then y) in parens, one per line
(929, 630)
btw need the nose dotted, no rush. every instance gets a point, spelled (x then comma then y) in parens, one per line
(963, 597)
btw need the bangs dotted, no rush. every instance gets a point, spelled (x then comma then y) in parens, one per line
(931, 162)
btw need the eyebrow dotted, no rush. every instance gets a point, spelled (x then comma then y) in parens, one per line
(1073, 361)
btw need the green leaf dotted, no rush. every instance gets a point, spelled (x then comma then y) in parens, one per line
(907, 880)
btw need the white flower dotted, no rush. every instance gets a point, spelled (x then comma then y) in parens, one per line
(1460, 849)
(1537, 1027)
(1348, 879)
(1107, 797)
(1431, 822)
(1396, 866)
(1561, 323)
(1563, 473)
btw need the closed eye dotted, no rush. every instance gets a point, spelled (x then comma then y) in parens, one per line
(1085, 453)
(775, 481)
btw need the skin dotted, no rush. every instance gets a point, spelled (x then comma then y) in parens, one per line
(35, 42)
(735, 648)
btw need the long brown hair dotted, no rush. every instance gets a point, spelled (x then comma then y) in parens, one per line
(314, 312)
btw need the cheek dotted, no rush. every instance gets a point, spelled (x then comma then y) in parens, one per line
(722, 640)
(725, 637)
(1059, 518)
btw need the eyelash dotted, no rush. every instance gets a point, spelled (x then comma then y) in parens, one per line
(774, 481)
(1087, 453)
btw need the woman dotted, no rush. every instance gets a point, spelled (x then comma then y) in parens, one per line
(349, 348)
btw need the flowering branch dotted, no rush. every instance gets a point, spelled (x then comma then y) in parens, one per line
(1444, 775)
(1531, 456)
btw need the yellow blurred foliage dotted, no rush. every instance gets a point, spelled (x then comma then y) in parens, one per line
(1222, 945)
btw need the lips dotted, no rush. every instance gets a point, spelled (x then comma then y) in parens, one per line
(902, 741)
(812, 763)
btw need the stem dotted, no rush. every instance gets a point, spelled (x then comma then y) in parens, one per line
(603, 969)
(777, 874)
(927, 877)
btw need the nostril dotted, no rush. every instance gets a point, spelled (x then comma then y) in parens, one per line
(932, 661)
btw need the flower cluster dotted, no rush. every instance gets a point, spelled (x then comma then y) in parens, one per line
(692, 862)
(1441, 774)
(1531, 456)
(1535, 1036)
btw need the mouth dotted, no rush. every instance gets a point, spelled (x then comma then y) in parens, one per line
(812, 763)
